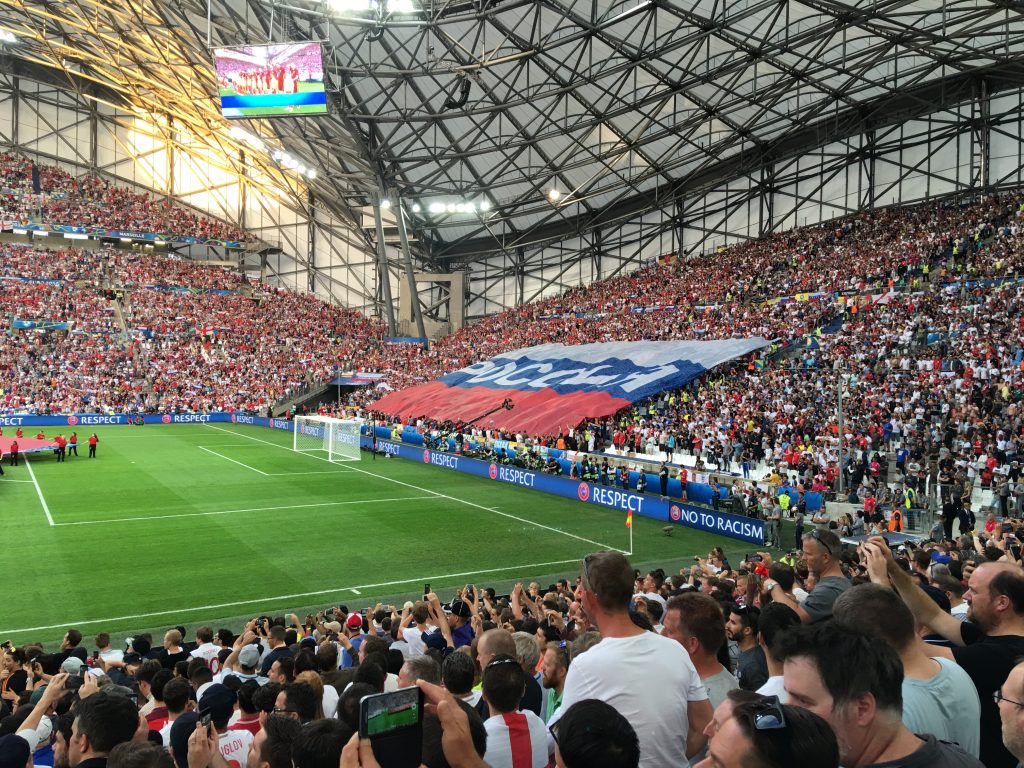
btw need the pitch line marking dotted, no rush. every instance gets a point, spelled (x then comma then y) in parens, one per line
(5, 480)
(441, 495)
(39, 492)
(235, 511)
(317, 472)
(233, 461)
(299, 595)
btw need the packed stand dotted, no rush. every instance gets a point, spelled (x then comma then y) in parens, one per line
(770, 663)
(922, 355)
(88, 201)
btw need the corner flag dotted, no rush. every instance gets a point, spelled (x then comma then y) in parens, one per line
(629, 519)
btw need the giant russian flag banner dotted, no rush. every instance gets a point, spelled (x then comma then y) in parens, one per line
(554, 386)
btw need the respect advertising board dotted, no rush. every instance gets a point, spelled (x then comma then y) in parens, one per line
(648, 505)
(83, 420)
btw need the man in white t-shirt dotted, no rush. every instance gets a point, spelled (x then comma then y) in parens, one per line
(647, 678)
(219, 701)
(107, 653)
(207, 650)
(512, 734)
(414, 626)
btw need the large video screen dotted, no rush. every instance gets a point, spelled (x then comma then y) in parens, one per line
(271, 80)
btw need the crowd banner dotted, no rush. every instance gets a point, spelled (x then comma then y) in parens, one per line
(649, 505)
(549, 388)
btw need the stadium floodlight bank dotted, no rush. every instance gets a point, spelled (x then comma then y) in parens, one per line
(337, 438)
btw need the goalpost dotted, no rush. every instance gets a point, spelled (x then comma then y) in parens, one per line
(338, 438)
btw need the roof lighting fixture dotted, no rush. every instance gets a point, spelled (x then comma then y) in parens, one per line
(554, 195)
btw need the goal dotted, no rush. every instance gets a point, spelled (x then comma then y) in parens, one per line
(337, 438)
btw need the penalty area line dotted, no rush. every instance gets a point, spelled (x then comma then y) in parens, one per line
(442, 495)
(39, 492)
(233, 461)
(266, 601)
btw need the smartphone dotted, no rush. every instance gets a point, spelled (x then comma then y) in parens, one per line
(426, 589)
(754, 558)
(394, 724)
(1015, 551)
(95, 655)
(206, 719)
(1007, 527)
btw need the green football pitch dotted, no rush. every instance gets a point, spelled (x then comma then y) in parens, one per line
(215, 524)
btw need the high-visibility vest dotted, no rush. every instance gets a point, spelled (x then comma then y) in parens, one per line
(896, 522)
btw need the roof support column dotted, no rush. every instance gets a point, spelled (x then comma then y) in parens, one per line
(410, 274)
(983, 134)
(383, 273)
(311, 243)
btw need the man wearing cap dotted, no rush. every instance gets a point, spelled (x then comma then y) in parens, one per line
(37, 728)
(219, 702)
(242, 663)
(459, 620)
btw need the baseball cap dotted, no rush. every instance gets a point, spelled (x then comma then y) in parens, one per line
(181, 729)
(435, 640)
(938, 597)
(72, 665)
(332, 626)
(219, 700)
(249, 656)
(14, 751)
(38, 735)
(354, 621)
(461, 609)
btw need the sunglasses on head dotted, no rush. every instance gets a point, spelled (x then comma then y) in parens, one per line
(816, 535)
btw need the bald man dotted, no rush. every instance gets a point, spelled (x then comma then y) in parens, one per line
(1011, 712)
(987, 646)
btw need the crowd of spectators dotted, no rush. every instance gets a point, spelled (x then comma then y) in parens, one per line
(931, 368)
(88, 201)
(771, 663)
(929, 355)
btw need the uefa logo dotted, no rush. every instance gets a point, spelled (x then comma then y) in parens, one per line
(72, 420)
(426, 456)
(674, 512)
(493, 471)
(166, 418)
(583, 491)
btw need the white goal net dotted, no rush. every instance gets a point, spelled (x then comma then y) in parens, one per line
(333, 439)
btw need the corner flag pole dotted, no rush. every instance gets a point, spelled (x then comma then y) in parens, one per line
(629, 524)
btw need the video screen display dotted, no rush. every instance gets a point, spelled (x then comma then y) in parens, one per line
(284, 80)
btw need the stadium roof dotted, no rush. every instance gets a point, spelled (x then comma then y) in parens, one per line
(619, 106)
